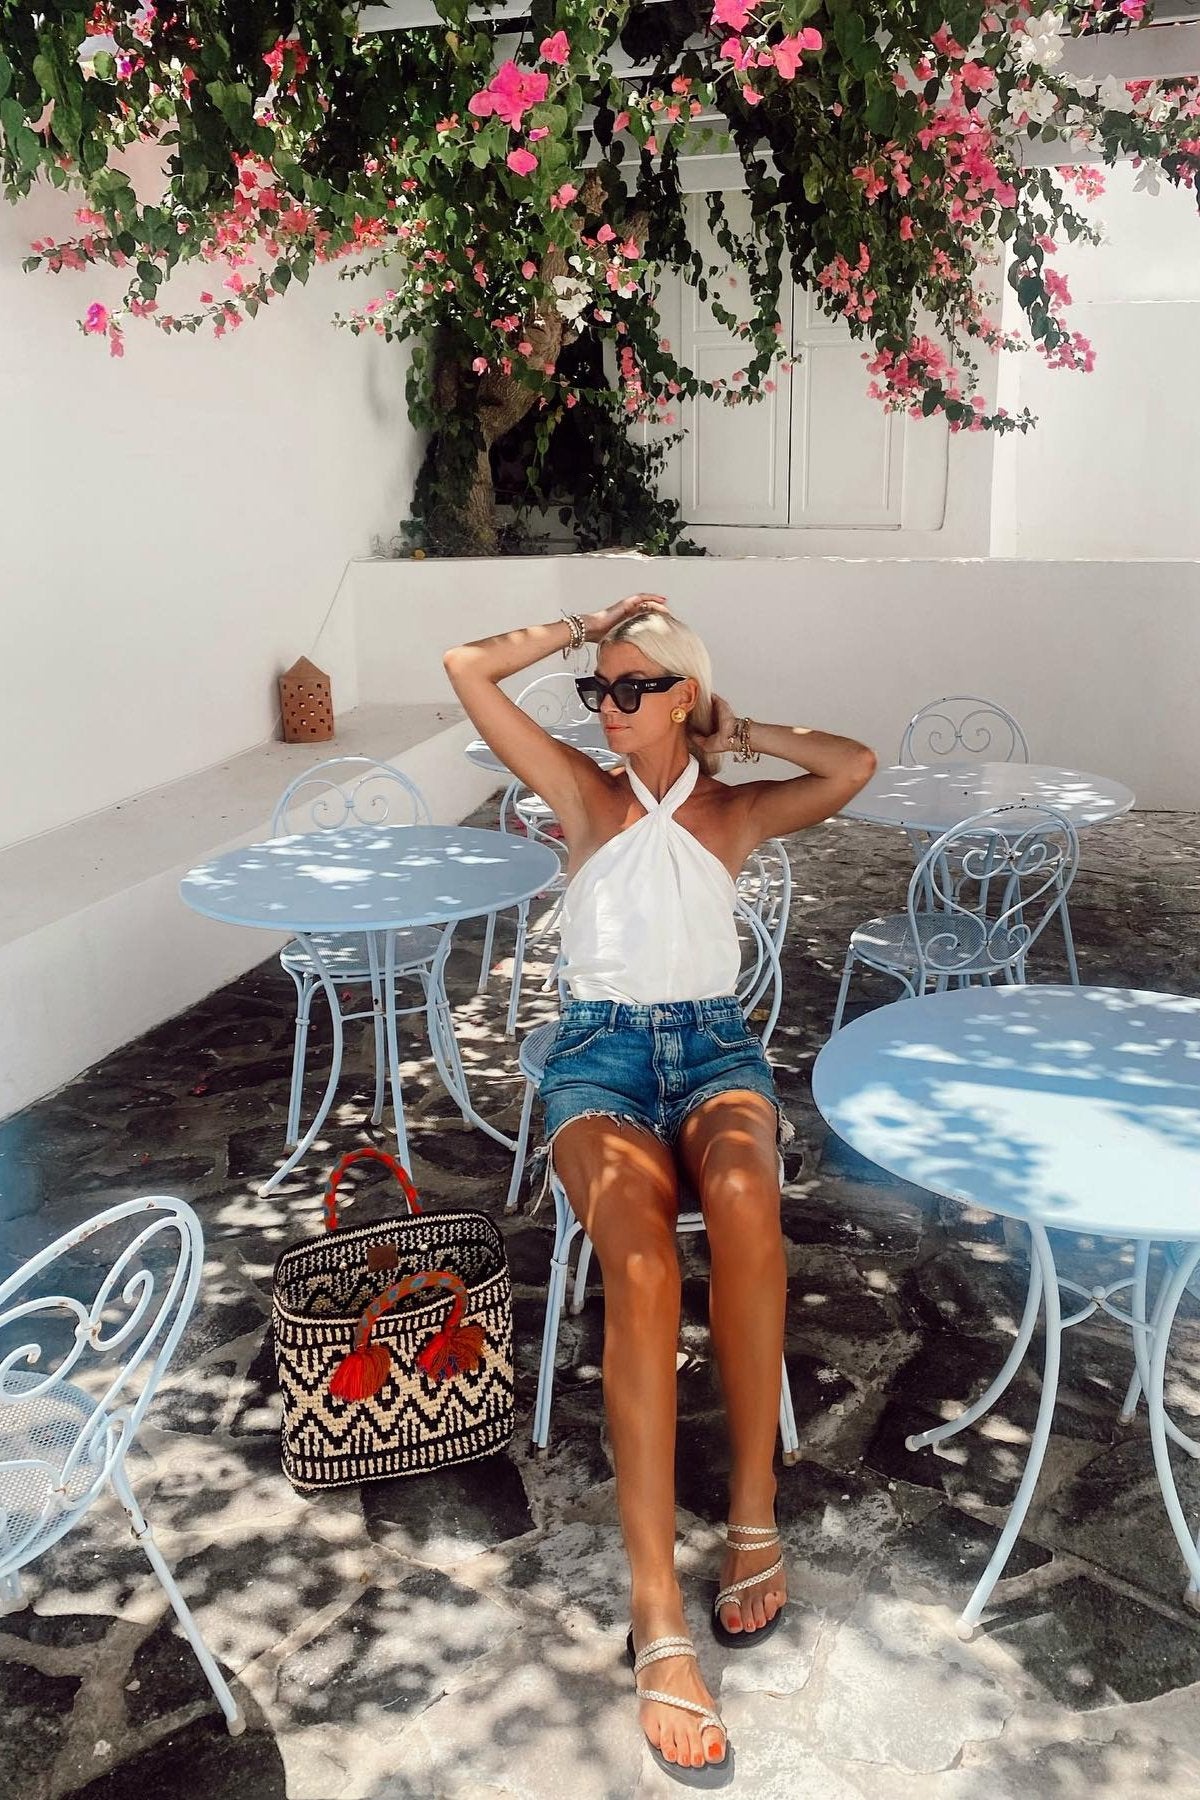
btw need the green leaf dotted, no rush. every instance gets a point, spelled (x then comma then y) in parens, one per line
(47, 76)
(5, 74)
(1028, 290)
(281, 277)
(814, 181)
(932, 399)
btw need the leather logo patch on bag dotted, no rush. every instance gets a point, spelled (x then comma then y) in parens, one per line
(382, 1256)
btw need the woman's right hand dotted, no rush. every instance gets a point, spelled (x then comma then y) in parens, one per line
(597, 625)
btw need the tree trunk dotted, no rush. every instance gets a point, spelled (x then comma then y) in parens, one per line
(499, 402)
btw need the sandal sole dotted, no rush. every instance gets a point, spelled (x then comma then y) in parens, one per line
(711, 1776)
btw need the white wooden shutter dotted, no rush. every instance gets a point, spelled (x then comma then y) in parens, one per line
(847, 454)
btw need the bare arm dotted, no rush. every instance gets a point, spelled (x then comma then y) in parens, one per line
(835, 768)
(562, 775)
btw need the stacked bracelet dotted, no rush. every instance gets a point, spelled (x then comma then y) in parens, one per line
(578, 636)
(741, 743)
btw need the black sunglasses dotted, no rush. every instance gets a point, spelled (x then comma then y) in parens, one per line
(625, 692)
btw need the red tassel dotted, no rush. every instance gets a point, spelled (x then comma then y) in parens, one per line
(362, 1373)
(453, 1351)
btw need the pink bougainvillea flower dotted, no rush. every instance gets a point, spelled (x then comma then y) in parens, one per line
(521, 162)
(447, 124)
(525, 348)
(621, 121)
(906, 226)
(538, 133)
(509, 94)
(116, 343)
(606, 234)
(652, 146)
(732, 13)
(555, 49)
(205, 298)
(750, 96)
(480, 365)
(529, 270)
(96, 319)
(566, 193)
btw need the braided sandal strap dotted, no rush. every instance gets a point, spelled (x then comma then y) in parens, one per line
(739, 1587)
(760, 1537)
(660, 1648)
(703, 1713)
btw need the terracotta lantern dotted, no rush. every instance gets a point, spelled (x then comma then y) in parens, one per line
(306, 703)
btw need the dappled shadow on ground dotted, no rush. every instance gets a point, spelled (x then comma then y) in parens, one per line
(461, 1634)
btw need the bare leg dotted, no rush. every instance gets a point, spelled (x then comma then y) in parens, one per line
(622, 1185)
(728, 1148)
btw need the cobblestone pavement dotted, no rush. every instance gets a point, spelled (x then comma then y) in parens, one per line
(460, 1635)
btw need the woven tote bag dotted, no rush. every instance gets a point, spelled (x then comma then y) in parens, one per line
(393, 1343)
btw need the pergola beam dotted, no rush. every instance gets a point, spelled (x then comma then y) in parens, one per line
(1165, 47)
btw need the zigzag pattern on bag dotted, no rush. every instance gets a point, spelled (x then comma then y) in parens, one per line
(411, 1424)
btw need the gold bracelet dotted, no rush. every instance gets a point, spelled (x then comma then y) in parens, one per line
(742, 751)
(578, 637)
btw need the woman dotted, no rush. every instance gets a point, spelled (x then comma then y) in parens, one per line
(653, 1072)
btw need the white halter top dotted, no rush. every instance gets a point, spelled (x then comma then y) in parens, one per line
(649, 917)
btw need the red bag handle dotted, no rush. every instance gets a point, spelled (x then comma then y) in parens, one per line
(368, 1153)
(453, 1350)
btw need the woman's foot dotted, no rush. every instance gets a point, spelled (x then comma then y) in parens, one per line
(680, 1736)
(753, 1586)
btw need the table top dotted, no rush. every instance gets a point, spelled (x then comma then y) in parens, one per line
(370, 879)
(584, 734)
(935, 797)
(1079, 1107)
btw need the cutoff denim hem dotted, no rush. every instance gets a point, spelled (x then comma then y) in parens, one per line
(649, 1068)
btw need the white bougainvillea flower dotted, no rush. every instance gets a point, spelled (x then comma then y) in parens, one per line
(1035, 104)
(1040, 40)
(1114, 96)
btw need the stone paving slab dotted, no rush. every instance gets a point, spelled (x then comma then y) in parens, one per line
(460, 1637)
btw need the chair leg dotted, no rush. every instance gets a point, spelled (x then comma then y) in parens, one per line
(518, 969)
(235, 1719)
(304, 993)
(485, 965)
(840, 1008)
(579, 1293)
(12, 1595)
(440, 1019)
(518, 1169)
(1069, 941)
(789, 1437)
(565, 1228)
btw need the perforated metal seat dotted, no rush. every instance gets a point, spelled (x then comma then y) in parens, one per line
(888, 941)
(345, 953)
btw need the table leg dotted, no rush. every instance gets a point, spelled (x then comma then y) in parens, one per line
(1142, 1340)
(453, 1079)
(393, 1046)
(1164, 1319)
(335, 1070)
(973, 1610)
(993, 1391)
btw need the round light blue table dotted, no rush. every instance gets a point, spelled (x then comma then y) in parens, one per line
(1067, 1108)
(378, 881)
(583, 734)
(934, 798)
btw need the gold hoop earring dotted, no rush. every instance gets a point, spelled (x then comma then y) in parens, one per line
(679, 714)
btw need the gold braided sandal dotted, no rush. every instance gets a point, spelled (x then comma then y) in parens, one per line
(713, 1774)
(747, 1537)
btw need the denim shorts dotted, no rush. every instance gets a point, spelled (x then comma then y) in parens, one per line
(650, 1066)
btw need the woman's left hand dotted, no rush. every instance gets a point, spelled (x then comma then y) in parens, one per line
(723, 736)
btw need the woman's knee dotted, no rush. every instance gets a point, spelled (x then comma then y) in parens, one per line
(641, 1273)
(741, 1209)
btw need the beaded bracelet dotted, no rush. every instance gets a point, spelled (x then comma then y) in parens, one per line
(578, 636)
(741, 743)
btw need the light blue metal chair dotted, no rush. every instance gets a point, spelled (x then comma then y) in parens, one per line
(763, 960)
(552, 702)
(964, 728)
(352, 793)
(76, 1377)
(979, 898)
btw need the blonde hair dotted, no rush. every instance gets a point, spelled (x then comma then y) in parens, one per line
(677, 649)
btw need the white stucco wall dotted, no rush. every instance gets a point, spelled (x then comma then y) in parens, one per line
(1111, 469)
(173, 526)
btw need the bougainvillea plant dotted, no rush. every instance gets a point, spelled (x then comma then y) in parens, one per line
(517, 183)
